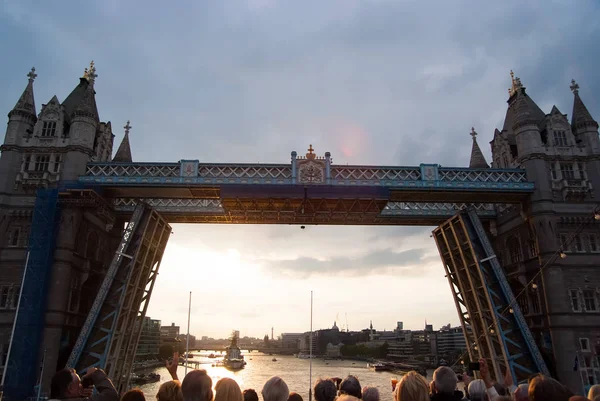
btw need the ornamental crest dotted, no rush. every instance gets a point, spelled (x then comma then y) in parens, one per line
(311, 169)
(189, 168)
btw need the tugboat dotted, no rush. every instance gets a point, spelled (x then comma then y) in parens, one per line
(233, 356)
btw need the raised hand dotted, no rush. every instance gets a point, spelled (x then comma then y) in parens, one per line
(172, 365)
(485, 373)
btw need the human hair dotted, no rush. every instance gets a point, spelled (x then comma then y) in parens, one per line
(370, 394)
(250, 395)
(295, 397)
(594, 392)
(275, 389)
(412, 387)
(544, 388)
(521, 393)
(134, 395)
(60, 382)
(197, 386)
(170, 391)
(477, 390)
(346, 397)
(228, 390)
(351, 386)
(445, 380)
(325, 390)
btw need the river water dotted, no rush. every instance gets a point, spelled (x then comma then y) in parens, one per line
(294, 371)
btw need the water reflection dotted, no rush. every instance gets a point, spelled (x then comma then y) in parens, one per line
(293, 370)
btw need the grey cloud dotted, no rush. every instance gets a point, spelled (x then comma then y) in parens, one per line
(385, 261)
(247, 83)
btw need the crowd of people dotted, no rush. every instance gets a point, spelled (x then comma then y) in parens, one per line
(198, 386)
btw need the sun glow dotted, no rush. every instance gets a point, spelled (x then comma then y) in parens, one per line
(200, 267)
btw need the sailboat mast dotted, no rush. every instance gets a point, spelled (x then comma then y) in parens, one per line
(187, 345)
(310, 342)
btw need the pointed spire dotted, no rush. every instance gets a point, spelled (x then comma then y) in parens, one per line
(86, 105)
(581, 117)
(123, 154)
(477, 158)
(26, 104)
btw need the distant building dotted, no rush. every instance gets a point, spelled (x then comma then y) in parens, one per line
(183, 339)
(305, 343)
(149, 344)
(334, 351)
(171, 331)
(291, 341)
(450, 341)
(400, 346)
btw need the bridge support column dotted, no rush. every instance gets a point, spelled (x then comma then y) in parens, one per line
(328, 167)
(294, 170)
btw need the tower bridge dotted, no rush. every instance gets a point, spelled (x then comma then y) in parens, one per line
(310, 190)
(83, 233)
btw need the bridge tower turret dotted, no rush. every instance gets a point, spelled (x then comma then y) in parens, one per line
(21, 120)
(561, 159)
(85, 123)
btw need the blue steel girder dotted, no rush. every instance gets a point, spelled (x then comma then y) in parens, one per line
(301, 211)
(309, 190)
(498, 278)
(110, 334)
(106, 325)
(24, 352)
(425, 183)
(500, 336)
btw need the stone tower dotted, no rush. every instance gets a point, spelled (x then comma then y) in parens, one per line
(39, 151)
(550, 246)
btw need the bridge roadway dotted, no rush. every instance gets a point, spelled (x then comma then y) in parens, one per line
(309, 190)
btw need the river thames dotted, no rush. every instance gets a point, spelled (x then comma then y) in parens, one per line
(294, 371)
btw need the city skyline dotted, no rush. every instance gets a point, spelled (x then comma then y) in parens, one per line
(182, 330)
(251, 81)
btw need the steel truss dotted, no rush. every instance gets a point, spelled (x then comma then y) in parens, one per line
(283, 174)
(110, 334)
(484, 300)
(307, 211)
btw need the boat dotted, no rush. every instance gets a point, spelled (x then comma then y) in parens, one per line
(212, 356)
(303, 355)
(233, 355)
(144, 379)
(274, 359)
(379, 367)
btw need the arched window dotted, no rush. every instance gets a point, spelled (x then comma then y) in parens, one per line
(74, 293)
(49, 129)
(14, 235)
(91, 246)
(513, 246)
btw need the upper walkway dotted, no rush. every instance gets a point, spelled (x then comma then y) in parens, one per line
(308, 190)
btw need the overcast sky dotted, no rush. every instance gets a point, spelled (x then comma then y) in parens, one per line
(373, 82)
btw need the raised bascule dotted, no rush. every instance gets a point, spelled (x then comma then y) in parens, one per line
(91, 232)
